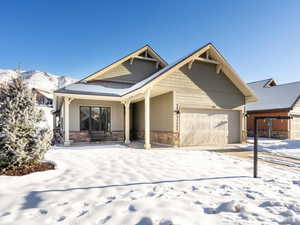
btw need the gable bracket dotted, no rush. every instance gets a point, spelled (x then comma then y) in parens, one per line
(207, 60)
(131, 60)
(219, 68)
(207, 54)
(191, 64)
(157, 64)
(146, 58)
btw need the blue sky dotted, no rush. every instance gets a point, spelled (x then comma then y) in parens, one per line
(260, 39)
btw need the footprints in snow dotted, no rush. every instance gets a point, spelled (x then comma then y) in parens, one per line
(148, 221)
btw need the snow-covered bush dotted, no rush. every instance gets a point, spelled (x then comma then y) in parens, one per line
(22, 141)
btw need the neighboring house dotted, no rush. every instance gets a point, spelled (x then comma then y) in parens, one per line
(198, 100)
(275, 100)
(43, 97)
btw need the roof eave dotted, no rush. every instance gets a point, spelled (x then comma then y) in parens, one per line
(271, 109)
(82, 95)
(124, 59)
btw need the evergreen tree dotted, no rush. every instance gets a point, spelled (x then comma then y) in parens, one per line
(22, 140)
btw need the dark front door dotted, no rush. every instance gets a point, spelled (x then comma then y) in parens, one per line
(95, 118)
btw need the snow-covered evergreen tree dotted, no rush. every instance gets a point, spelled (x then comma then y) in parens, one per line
(22, 140)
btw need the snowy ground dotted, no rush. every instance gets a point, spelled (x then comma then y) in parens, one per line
(115, 185)
(287, 148)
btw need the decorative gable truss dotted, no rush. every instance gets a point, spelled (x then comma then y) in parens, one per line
(207, 58)
(146, 55)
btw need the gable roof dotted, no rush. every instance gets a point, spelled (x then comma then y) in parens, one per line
(147, 48)
(88, 89)
(226, 67)
(45, 93)
(283, 96)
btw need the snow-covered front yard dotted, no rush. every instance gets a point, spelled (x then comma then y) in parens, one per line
(116, 185)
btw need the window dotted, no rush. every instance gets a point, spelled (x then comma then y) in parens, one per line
(95, 118)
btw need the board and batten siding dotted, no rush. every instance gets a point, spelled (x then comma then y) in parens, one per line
(161, 113)
(127, 72)
(117, 113)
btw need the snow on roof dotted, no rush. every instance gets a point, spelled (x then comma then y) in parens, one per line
(88, 89)
(91, 89)
(97, 89)
(84, 88)
(275, 97)
(155, 75)
(45, 93)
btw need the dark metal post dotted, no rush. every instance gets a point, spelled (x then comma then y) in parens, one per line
(255, 149)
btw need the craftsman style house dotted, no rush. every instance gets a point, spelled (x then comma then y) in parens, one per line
(275, 100)
(198, 100)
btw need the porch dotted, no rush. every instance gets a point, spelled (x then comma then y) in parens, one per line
(102, 119)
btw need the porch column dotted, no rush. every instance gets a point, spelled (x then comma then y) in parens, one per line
(67, 102)
(147, 120)
(127, 122)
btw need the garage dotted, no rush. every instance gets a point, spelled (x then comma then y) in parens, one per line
(209, 127)
(295, 127)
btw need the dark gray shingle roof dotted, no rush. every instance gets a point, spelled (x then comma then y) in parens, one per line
(276, 97)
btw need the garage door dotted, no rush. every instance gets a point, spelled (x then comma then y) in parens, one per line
(209, 127)
(296, 127)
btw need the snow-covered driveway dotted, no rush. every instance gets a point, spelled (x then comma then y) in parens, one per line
(116, 185)
(286, 148)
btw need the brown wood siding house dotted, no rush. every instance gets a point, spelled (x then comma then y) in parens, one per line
(275, 100)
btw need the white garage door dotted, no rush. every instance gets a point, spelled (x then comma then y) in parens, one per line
(296, 127)
(209, 127)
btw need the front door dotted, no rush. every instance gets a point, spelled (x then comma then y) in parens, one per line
(95, 118)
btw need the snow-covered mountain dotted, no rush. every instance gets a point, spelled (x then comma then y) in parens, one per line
(37, 79)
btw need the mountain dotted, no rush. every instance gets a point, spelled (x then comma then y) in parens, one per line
(37, 79)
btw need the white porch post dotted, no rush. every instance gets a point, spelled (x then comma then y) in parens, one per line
(147, 120)
(127, 122)
(66, 121)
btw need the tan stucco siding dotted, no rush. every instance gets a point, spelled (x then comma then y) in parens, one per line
(203, 87)
(135, 72)
(161, 113)
(117, 113)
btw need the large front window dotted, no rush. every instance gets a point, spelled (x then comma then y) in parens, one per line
(95, 118)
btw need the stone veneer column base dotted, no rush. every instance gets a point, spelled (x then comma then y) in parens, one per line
(80, 136)
(160, 137)
(84, 136)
